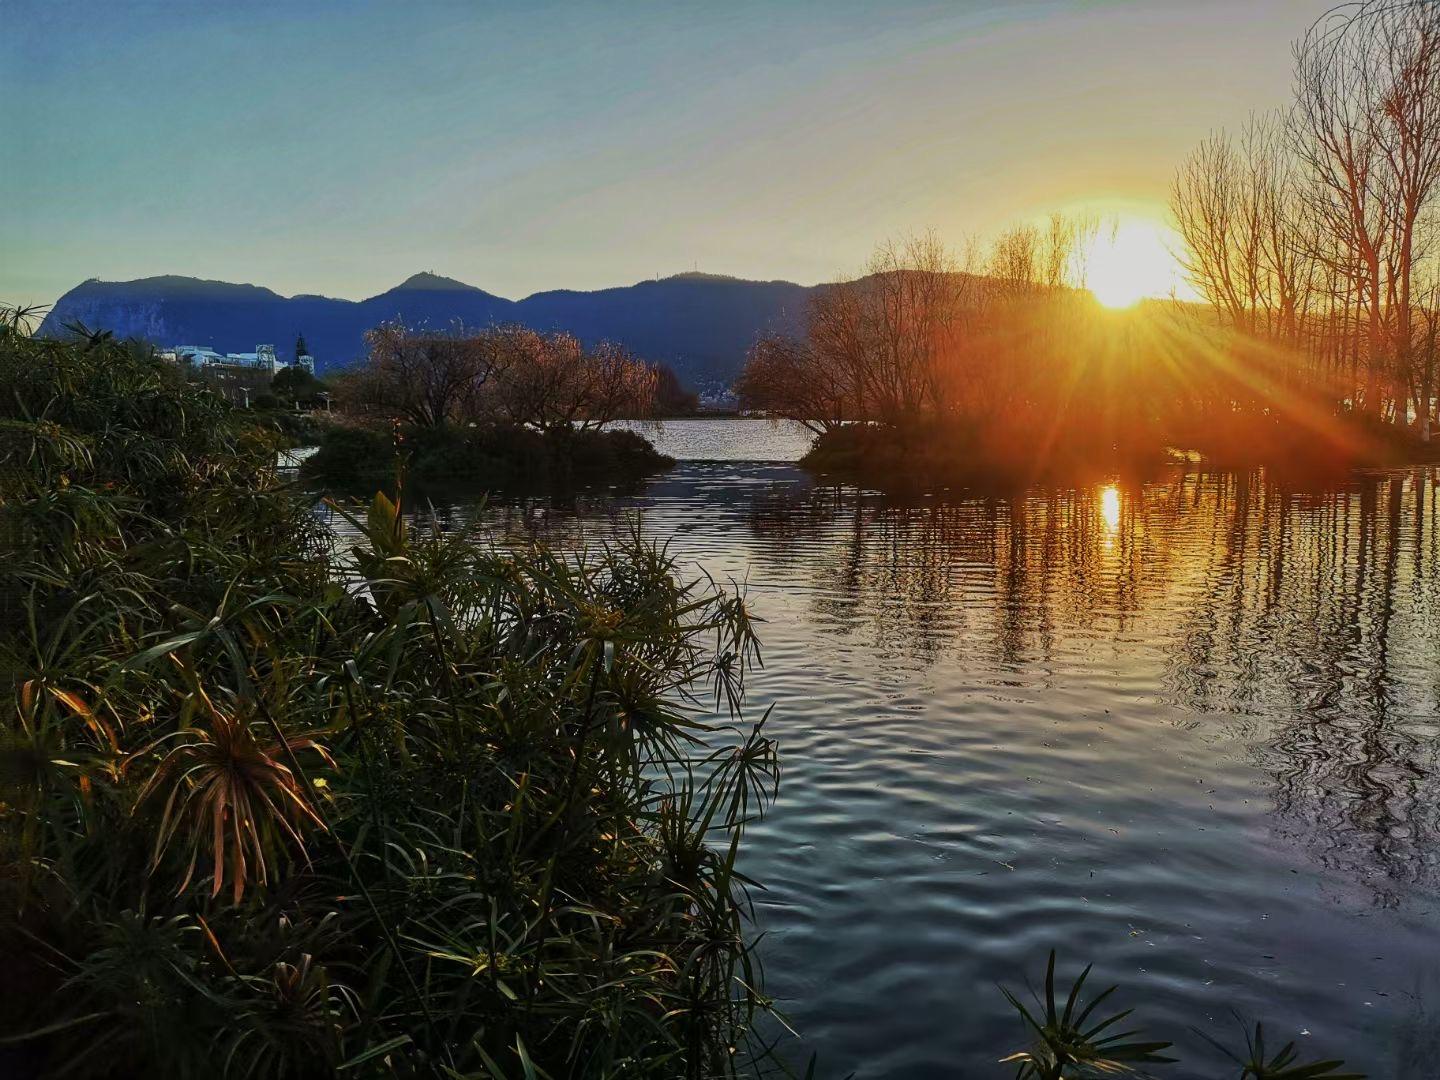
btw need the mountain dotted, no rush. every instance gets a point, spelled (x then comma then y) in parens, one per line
(419, 300)
(699, 324)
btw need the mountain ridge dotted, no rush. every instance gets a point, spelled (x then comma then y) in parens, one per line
(700, 324)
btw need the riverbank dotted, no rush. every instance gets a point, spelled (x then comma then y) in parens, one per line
(935, 456)
(883, 458)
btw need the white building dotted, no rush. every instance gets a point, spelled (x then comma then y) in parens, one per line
(199, 355)
(263, 358)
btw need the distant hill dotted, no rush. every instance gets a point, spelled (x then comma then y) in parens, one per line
(699, 324)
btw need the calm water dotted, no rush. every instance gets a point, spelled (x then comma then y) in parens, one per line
(1188, 731)
(725, 440)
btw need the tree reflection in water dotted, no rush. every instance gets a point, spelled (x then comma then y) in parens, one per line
(1308, 619)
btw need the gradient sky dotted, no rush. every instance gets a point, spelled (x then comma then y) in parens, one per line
(339, 147)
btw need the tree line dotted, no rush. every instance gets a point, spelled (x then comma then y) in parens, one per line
(928, 337)
(1316, 228)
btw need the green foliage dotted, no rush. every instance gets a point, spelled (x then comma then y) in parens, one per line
(296, 384)
(296, 428)
(493, 455)
(351, 457)
(417, 808)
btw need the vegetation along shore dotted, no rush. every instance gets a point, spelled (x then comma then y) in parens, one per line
(477, 817)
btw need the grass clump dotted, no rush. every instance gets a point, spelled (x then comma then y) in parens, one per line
(447, 811)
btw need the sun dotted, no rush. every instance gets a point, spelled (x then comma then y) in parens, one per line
(1130, 260)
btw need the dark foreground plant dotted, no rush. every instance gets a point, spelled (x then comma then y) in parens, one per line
(1067, 1042)
(1283, 1064)
(1074, 1040)
(418, 808)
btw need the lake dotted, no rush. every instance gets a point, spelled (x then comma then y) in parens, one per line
(1185, 730)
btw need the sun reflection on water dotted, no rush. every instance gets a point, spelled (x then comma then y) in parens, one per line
(1110, 507)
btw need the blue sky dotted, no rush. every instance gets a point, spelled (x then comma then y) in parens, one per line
(339, 147)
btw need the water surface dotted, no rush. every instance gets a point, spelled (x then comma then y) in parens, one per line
(1186, 730)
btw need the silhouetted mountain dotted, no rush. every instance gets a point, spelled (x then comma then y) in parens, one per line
(699, 324)
(429, 282)
(421, 300)
(187, 311)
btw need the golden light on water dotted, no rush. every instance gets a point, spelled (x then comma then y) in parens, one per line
(1110, 507)
(1130, 259)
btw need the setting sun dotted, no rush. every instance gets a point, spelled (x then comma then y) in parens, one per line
(1128, 261)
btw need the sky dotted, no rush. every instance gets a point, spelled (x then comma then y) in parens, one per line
(339, 147)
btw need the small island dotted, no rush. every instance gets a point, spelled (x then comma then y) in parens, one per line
(1014, 367)
(501, 408)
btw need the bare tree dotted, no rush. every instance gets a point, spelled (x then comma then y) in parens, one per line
(1313, 232)
(794, 380)
(1017, 265)
(920, 336)
(1408, 37)
(506, 374)
(550, 381)
(1367, 126)
(1237, 207)
(1428, 343)
(1068, 238)
(912, 308)
(1030, 261)
(615, 385)
(428, 377)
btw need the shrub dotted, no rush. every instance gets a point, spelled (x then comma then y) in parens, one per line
(1071, 1036)
(429, 808)
(353, 456)
(490, 456)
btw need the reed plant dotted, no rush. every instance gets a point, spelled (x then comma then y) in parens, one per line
(1071, 1036)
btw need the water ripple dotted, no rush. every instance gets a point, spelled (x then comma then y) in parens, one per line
(1194, 741)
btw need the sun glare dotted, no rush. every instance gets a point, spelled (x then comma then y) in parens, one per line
(1128, 261)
